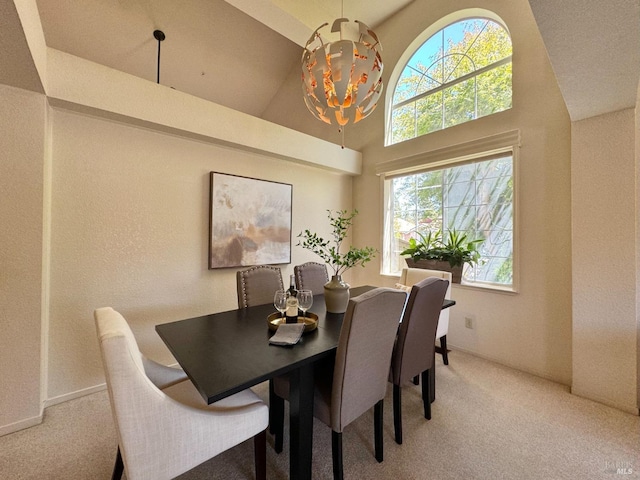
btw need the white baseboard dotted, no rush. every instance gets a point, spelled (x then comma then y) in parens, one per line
(520, 368)
(81, 393)
(605, 401)
(634, 410)
(73, 395)
(21, 425)
(33, 421)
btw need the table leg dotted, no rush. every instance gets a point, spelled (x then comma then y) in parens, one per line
(301, 422)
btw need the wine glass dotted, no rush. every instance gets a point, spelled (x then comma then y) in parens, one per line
(305, 300)
(280, 301)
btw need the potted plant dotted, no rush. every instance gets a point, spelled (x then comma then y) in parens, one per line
(336, 291)
(450, 253)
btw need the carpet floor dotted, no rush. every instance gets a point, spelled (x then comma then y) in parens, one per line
(488, 422)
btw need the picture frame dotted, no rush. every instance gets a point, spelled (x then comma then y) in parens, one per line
(249, 221)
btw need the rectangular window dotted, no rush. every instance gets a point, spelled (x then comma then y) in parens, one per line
(475, 198)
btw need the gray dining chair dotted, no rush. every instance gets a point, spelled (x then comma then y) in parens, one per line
(163, 433)
(311, 276)
(256, 285)
(411, 276)
(414, 350)
(356, 379)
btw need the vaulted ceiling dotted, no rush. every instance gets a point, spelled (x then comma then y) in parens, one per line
(238, 53)
(594, 48)
(245, 54)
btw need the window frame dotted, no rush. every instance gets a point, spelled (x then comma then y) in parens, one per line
(456, 155)
(415, 45)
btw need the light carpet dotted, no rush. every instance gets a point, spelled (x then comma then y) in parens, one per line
(488, 422)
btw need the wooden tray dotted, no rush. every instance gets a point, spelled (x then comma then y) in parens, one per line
(310, 321)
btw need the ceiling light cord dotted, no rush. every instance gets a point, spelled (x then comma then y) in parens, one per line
(158, 35)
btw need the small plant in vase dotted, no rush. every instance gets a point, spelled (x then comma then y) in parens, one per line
(336, 291)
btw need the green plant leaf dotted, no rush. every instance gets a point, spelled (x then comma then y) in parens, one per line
(453, 248)
(329, 250)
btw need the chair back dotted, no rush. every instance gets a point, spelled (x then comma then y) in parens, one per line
(256, 285)
(164, 433)
(415, 347)
(411, 276)
(311, 276)
(134, 398)
(363, 356)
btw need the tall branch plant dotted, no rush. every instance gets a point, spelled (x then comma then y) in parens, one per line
(329, 250)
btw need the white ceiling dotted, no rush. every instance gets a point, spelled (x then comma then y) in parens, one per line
(212, 49)
(594, 47)
(245, 54)
(296, 19)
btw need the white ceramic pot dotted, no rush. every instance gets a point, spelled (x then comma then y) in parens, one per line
(336, 295)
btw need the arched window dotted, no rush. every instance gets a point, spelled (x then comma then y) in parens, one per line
(460, 73)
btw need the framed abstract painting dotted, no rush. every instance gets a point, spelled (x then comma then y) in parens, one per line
(250, 221)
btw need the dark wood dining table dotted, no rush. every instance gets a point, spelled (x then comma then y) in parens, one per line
(225, 353)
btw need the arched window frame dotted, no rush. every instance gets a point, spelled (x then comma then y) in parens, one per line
(417, 43)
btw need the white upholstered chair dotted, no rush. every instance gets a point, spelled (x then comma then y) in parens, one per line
(357, 381)
(162, 376)
(411, 276)
(163, 433)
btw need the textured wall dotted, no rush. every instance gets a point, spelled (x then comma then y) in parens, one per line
(22, 127)
(530, 330)
(129, 230)
(604, 269)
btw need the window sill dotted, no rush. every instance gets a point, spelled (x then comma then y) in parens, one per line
(470, 286)
(486, 288)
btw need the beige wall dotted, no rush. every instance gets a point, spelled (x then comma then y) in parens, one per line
(22, 140)
(129, 230)
(121, 171)
(603, 182)
(129, 219)
(530, 330)
(637, 156)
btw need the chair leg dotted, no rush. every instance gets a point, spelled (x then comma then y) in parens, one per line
(118, 468)
(377, 430)
(336, 451)
(276, 411)
(397, 413)
(272, 413)
(416, 380)
(260, 452)
(426, 393)
(443, 346)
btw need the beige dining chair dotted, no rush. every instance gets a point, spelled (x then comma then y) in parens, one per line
(256, 285)
(357, 379)
(311, 276)
(163, 433)
(411, 276)
(162, 376)
(414, 350)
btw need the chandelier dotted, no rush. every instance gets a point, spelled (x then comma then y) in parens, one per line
(342, 80)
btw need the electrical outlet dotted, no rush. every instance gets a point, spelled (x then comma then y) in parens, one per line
(468, 322)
